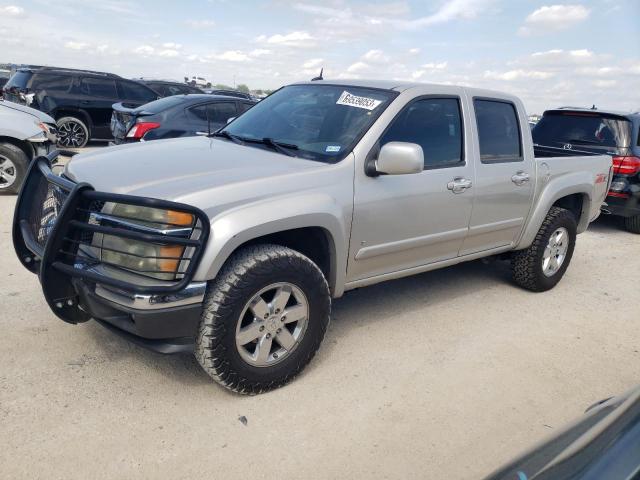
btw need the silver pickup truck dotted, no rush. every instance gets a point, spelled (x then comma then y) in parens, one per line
(232, 245)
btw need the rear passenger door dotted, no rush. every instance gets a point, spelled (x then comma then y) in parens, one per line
(98, 95)
(504, 176)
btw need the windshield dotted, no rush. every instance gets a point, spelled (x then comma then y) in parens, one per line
(323, 122)
(582, 130)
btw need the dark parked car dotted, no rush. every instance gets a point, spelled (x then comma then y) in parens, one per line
(79, 100)
(231, 93)
(603, 444)
(166, 88)
(601, 131)
(4, 78)
(176, 116)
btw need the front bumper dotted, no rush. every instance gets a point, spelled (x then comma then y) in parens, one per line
(54, 217)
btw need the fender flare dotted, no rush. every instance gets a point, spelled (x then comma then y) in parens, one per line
(234, 228)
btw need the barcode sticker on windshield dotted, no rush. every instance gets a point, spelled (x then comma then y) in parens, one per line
(359, 102)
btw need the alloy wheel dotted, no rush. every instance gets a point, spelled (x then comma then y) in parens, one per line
(71, 134)
(272, 324)
(555, 252)
(8, 172)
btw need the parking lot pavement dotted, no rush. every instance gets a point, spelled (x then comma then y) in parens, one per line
(444, 375)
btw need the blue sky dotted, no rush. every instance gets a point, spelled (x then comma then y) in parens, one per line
(577, 53)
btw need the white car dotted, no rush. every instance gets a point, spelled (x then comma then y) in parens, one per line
(25, 134)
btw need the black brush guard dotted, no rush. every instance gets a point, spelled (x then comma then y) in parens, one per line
(54, 217)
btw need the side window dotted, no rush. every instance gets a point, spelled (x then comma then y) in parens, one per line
(436, 125)
(137, 93)
(99, 87)
(198, 113)
(244, 107)
(220, 112)
(51, 83)
(498, 131)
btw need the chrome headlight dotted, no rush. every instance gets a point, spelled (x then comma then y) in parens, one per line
(157, 260)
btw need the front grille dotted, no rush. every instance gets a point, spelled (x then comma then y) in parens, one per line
(47, 203)
(62, 230)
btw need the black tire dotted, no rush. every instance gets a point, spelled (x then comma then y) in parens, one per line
(632, 224)
(16, 163)
(72, 132)
(247, 272)
(527, 265)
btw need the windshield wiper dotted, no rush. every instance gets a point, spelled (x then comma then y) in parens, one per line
(227, 135)
(281, 147)
(583, 141)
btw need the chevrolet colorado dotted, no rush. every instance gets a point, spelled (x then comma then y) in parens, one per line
(233, 245)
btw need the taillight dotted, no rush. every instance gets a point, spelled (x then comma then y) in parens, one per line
(139, 129)
(626, 165)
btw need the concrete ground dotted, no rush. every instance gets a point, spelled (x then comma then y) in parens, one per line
(448, 374)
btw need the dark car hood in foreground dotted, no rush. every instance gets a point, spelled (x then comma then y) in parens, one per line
(603, 444)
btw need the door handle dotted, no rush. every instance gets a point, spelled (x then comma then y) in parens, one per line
(520, 178)
(459, 185)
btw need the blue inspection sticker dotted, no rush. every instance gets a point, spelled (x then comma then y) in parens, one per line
(333, 148)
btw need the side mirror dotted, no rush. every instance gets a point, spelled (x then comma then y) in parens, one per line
(400, 158)
(230, 119)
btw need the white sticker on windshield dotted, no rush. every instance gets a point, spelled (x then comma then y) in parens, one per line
(359, 102)
(332, 148)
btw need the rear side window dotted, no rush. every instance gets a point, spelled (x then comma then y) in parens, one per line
(244, 107)
(218, 113)
(99, 87)
(582, 129)
(162, 104)
(137, 93)
(51, 83)
(436, 125)
(19, 80)
(498, 131)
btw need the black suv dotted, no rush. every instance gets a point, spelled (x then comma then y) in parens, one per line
(79, 100)
(601, 131)
(167, 88)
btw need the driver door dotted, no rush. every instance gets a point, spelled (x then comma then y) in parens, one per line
(406, 221)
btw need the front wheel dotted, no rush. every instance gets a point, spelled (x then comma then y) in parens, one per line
(541, 266)
(72, 132)
(264, 318)
(13, 168)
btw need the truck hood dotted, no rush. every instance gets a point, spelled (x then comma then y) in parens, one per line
(183, 169)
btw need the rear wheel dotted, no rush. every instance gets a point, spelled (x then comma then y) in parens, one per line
(632, 224)
(13, 168)
(541, 266)
(72, 132)
(265, 316)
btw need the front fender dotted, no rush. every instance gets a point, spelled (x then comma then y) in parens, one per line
(237, 226)
(554, 190)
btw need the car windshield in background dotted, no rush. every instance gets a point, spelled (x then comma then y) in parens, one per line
(322, 122)
(583, 130)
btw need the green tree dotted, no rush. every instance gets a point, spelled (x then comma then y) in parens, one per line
(243, 88)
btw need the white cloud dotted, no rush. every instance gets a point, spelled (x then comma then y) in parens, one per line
(12, 11)
(357, 67)
(233, 56)
(512, 75)
(414, 51)
(375, 56)
(293, 39)
(144, 50)
(169, 52)
(259, 52)
(171, 45)
(313, 63)
(200, 24)
(76, 45)
(553, 18)
(449, 11)
(435, 66)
